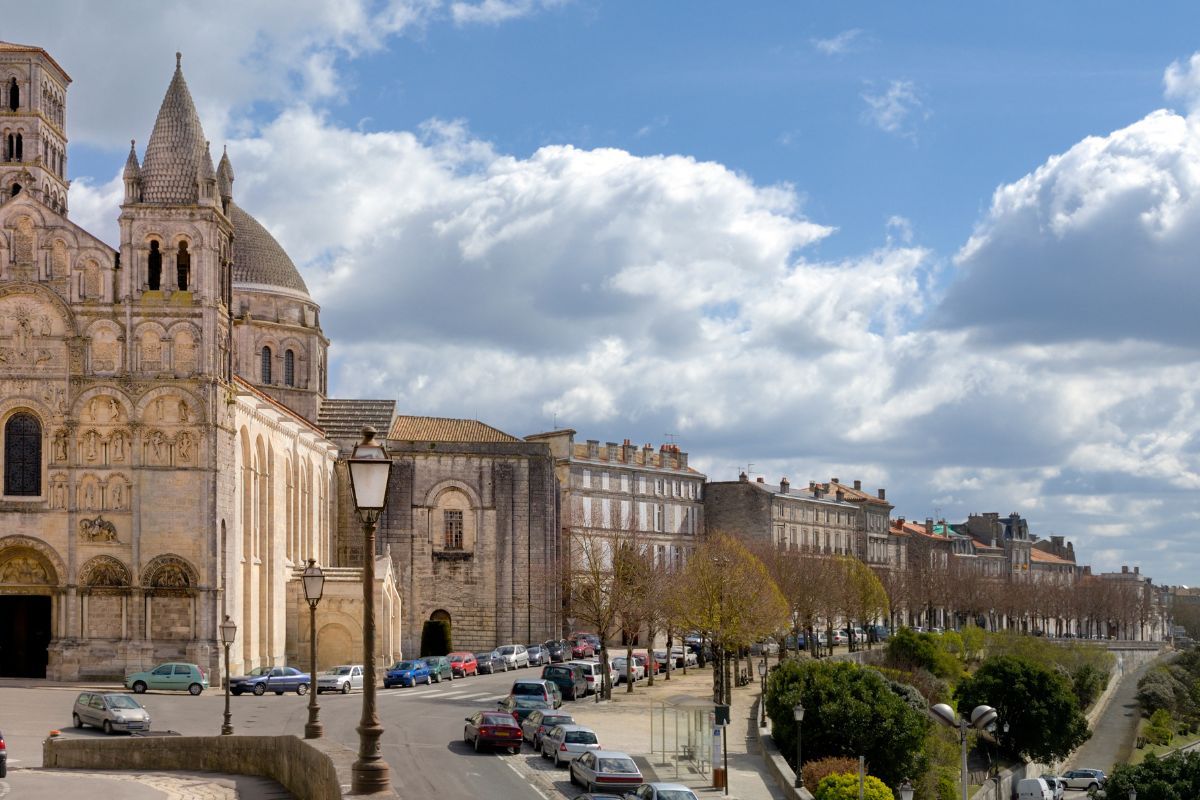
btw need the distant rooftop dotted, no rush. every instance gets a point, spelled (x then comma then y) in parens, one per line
(345, 419)
(445, 429)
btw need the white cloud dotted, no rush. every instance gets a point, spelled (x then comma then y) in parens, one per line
(896, 109)
(1181, 81)
(493, 12)
(836, 45)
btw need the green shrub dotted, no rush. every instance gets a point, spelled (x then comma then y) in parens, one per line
(435, 638)
(973, 639)
(1088, 682)
(909, 650)
(845, 787)
(822, 768)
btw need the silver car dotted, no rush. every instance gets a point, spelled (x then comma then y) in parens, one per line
(662, 791)
(515, 655)
(1085, 779)
(110, 712)
(565, 742)
(342, 679)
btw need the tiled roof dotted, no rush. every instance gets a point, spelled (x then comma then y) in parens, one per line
(911, 528)
(345, 419)
(445, 429)
(257, 257)
(854, 495)
(1042, 557)
(13, 47)
(176, 147)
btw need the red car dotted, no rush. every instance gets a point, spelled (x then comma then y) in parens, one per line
(463, 664)
(582, 648)
(493, 729)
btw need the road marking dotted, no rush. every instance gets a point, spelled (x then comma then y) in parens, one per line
(526, 780)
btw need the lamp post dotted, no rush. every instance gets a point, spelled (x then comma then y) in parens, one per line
(798, 715)
(906, 790)
(228, 632)
(981, 717)
(1132, 793)
(370, 469)
(314, 586)
(762, 697)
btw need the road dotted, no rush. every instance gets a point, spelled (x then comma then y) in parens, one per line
(422, 741)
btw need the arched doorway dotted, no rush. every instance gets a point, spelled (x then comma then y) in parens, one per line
(26, 610)
(441, 615)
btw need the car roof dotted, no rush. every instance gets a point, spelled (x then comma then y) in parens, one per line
(574, 727)
(613, 754)
(674, 786)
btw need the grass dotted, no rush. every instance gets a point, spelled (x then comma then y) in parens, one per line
(1160, 749)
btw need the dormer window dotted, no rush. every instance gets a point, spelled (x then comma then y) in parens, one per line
(183, 261)
(266, 365)
(154, 268)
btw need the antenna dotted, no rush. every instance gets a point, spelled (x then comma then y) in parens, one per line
(749, 469)
(671, 437)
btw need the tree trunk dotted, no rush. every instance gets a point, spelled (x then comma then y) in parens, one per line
(629, 666)
(606, 678)
(670, 656)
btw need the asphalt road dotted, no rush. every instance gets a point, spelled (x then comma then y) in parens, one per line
(422, 741)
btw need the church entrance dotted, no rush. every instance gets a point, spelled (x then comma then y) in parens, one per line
(24, 635)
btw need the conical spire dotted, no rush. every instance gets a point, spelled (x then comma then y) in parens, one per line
(225, 176)
(176, 147)
(132, 171)
(206, 171)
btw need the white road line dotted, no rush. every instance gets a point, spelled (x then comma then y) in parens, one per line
(526, 780)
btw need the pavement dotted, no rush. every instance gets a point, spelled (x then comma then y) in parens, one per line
(1115, 729)
(48, 784)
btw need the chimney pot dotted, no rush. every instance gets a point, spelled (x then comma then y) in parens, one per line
(743, 477)
(760, 479)
(784, 485)
(1124, 570)
(834, 480)
(901, 520)
(1137, 570)
(929, 524)
(858, 485)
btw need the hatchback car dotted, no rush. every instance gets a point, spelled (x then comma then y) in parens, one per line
(662, 791)
(537, 655)
(169, 677)
(342, 678)
(110, 712)
(489, 663)
(1058, 786)
(492, 729)
(565, 742)
(521, 707)
(463, 664)
(1085, 779)
(261, 680)
(569, 679)
(439, 667)
(541, 689)
(624, 670)
(597, 769)
(593, 673)
(557, 650)
(515, 655)
(407, 673)
(582, 648)
(538, 722)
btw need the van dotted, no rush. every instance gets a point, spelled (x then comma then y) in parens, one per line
(1033, 789)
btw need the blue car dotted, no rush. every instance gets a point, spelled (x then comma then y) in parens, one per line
(407, 673)
(271, 679)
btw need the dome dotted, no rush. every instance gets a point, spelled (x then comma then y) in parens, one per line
(257, 257)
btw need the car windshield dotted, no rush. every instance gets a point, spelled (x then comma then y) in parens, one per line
(617, 765)
(483, 656)
(433, 661)
(530, 702)
(120, 701)
(497, 719)
(504, 650)
(580, 737)
(535, 689)
(408, 665)
(339, 671)
(675, 794)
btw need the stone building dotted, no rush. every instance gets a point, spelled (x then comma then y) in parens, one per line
(149, 489)
(471, 527)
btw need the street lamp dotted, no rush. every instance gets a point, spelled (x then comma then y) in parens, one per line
(314, 586)
(798, 715)
(981, 717)
(906, 790)
(1132, 793)
(370, 469)
(228, 632)
(762, 697)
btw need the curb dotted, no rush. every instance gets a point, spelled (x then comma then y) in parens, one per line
(777, 765)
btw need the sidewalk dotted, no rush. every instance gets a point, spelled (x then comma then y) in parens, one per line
(624, 724)
(59, 783)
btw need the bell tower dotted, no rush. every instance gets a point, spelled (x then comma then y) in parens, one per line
(33, 125)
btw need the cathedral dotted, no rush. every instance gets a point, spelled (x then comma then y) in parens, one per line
(162, 462)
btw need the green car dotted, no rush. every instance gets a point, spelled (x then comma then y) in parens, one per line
(174, 676)
(439, 668)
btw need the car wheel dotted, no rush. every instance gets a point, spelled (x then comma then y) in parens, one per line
(236, 692)
(108, 728)
(3, 768)
(466, 736)
(195, 689)
(513, 750)
(139, 687)
(428, 680)
(259, 690)
(1093, 787)
(571, 775)
(557, 760)
(477, 744)
(76, 721)
(346, 687)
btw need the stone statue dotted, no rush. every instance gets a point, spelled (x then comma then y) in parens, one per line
(60, 446)
(98, 530)
(118, 495)
(184, 415)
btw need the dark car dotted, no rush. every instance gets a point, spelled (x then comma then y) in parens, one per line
(261, 680)
(492, 729)
(557, 651)
(490, 663)
(537, 656)
(521, 706)
(570, 679)
(3, 757)
(538, 722)
(439, 668)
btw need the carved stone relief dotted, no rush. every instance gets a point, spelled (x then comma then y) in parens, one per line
(23, 242)
(98, 530)
(91, 280)
(103, 410)
(185, 354)
(106, 572)
(185, 449)
(23, 570)
(157, 449)
(58, 259)
(117, 445)
(26, 329)
(152, 352)
(106, 352)
(58, 490)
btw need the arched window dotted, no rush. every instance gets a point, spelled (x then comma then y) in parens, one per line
(16, 190)
(23, 456)
(289, 368)
(14, 95)
(10, 147)
(266, 365)
(20, 156)
(183, 260)
(154, 271)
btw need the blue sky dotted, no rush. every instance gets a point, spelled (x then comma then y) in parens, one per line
(946, 249)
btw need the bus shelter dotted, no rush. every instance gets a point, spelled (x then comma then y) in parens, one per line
(681, 735)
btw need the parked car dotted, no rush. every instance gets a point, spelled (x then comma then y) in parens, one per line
(521, 706)
(407, 673)
(111, 712)
(593, 673)
(881, 633)
(439, 667)
(492, 729)
(463, 664)
(1085, 779)
(565, 742)
(3, 756)
(1058, 786)
(542, 689)
(582, 648)
(538, 722)
(341, 678)
(661, 791)
(569, 677)
(604, 768)
(261, 680)
(619, 664)
(557, 650)
(170, 677)
(515, 655)
(684, 656)
(1033, 789)
(489, 663)
(537, 655)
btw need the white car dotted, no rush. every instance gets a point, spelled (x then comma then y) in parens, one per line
(343, 678)
(514, 655)
(684, 656)
(638, 670)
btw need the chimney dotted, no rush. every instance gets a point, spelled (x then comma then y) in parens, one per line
(929, 525)
(760, 479)
(647, 452)
(883, 494)
(784, 485)
(682, 460)
(593, 448)
(1137, 570)
(1124, 570)
(610, 451)
(630, 452)
(812, 485)
(858, 485)
(834, 480)
(743, 477)
(840, 495)
(901, 521)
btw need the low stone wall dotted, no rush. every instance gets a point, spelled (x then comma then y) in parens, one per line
(777, 765)
(307, 769)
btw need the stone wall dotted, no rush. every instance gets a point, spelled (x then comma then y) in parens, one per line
(737, 507)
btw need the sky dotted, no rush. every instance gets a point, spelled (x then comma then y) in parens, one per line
(949, 250)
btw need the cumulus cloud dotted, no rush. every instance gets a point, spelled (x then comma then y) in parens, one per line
(1181, 82)
(493, 12)
(836, 45)
(896, 109)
